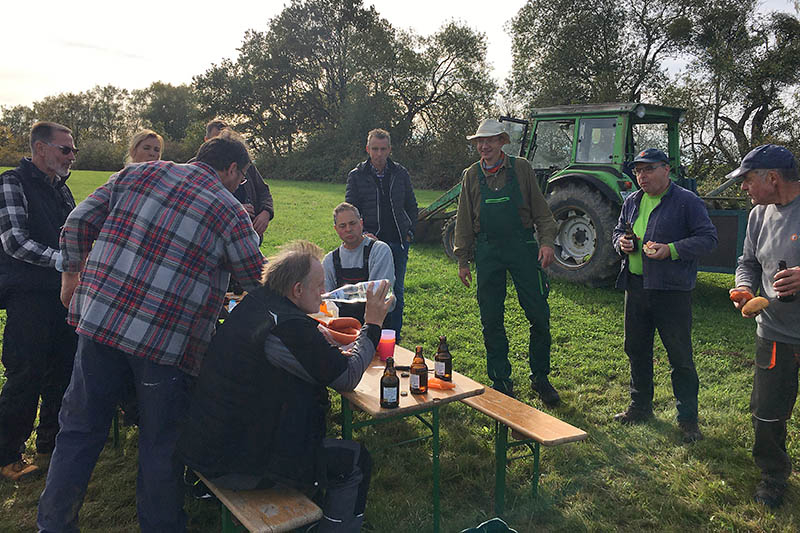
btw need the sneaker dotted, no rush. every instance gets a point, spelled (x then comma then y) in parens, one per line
(633, 416)
(690, 431)
(770, 493)
(547, 393)
(19, 471)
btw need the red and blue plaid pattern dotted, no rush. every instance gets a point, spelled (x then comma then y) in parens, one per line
(166, 236)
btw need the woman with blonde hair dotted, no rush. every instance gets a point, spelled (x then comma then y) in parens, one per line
(146, 145)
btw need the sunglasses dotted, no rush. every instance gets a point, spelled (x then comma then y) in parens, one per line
(64, 149)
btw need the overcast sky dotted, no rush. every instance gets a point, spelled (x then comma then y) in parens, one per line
(56, 46)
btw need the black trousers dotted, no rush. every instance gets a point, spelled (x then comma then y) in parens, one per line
(348, 469)
(669, 312)
(38, 351)
(771, 404)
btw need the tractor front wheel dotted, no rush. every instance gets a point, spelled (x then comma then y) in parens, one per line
(585, 222)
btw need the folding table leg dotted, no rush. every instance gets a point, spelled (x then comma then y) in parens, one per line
(436, 503)
(500, 457)
(115, 423)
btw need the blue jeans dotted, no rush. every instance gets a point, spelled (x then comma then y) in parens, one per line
(85, 419)
(400, 257)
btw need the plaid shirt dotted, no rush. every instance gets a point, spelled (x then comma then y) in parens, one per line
(14, 234)
(167, 236)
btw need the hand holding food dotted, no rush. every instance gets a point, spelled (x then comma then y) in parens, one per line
(740, 296)
(648, 248)
(754, 306)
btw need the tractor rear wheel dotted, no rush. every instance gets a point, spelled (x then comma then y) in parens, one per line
(449, 237)
(585, 222)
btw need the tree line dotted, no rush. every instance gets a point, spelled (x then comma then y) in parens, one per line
(307, 88)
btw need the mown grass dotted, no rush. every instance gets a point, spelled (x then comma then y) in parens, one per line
(620, 479)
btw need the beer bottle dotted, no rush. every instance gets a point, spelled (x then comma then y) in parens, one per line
(418, 373)
(630, 235)
(390, 386)
(789, 297)
(443, 361)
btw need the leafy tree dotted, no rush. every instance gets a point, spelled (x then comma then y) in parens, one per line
(585, 51)
(167, 108)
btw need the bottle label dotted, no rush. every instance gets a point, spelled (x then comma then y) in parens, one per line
(390, 394)
(440, 369)
(414, 379)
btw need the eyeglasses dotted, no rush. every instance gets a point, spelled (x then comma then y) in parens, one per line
(244, 178)
(64, 149)
(647, 169)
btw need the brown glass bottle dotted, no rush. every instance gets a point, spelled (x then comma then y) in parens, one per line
(390, 386)
(443, 361)
(418, 374)
(790, 297)
(630, 235)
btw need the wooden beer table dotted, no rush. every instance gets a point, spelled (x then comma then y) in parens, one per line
(366, 397)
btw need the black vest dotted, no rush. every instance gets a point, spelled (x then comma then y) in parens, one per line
(247, 416)
(47, 210)
(352, 275)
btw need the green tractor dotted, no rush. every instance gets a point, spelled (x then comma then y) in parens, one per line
(583, 157)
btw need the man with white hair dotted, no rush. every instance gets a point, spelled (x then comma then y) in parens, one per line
(499, 206)
(769, 264)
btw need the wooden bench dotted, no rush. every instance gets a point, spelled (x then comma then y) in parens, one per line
(265, 510)
(529, 427)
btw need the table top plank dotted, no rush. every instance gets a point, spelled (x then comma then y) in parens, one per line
(366, 395)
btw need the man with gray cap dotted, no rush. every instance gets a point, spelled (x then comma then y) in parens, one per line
(499, 206)
(769, 264)
(671, 229)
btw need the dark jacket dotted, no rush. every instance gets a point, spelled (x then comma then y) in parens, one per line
(251, 417)
(362, 191)
(48, 205)
(682, 219)
(255, 191)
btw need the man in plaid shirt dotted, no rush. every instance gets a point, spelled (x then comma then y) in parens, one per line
(38, 344)
(159, 241)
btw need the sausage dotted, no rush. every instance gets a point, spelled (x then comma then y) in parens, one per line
(740, 295)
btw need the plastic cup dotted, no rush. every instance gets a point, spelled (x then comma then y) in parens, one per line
(385, 348)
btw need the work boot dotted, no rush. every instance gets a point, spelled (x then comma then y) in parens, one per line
(633, 416)
(506, 387)
(770, 493)
(549, 395)
(20, 471)
(690, 431)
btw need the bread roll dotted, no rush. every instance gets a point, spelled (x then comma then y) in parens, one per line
(646, 248)
(755, 305)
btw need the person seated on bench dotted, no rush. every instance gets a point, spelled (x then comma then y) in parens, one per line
(358, 258)
(258, 411)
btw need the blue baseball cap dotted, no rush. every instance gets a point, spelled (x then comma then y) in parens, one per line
(767, 156)
(651, 155)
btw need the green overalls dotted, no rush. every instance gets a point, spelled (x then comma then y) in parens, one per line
(504, 244)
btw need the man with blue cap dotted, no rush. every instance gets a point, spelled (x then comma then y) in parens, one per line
(662, 230)
(769, 264)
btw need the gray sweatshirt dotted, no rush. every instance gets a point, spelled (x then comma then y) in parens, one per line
(773, 234)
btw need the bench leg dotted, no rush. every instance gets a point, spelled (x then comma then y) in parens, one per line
(347, 419)
(228, 525)
(500, 456)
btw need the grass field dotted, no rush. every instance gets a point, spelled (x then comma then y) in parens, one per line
(620, 479)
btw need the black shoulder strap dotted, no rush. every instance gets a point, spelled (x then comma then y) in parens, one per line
(337, 267)
(367, 250)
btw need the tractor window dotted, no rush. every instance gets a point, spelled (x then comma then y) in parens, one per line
(650, 136)
(596, 140)
(553, 144)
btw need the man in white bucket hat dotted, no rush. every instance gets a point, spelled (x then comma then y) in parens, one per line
(499, 207)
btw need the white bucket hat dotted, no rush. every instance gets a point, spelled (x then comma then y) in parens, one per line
(489, 128)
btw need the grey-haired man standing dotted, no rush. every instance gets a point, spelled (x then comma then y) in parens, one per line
(770, 176)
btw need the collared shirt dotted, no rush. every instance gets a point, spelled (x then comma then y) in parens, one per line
(14, 230)
(533, 212)
(166, 237)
